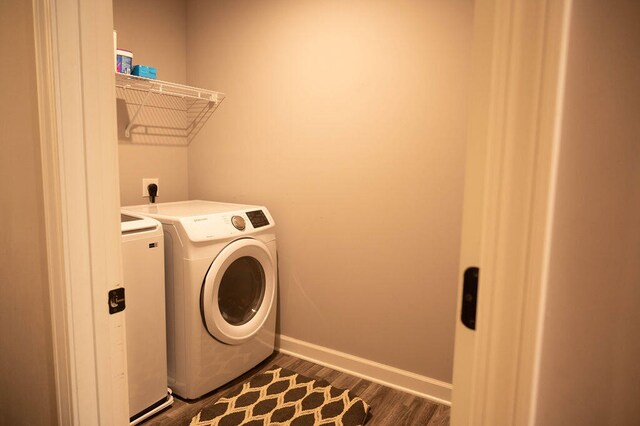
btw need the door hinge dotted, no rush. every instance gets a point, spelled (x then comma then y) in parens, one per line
(116, 300)
(470, 297)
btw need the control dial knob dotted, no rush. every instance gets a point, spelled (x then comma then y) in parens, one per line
(238, 222)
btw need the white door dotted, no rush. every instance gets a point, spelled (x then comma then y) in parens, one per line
(238, 291)
(519, 57)
(80, 165)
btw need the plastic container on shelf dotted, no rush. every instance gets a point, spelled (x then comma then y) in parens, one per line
(124, 61)
(144, 71)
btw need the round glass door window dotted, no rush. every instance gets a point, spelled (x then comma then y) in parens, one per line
(241, 290)
(238, 291)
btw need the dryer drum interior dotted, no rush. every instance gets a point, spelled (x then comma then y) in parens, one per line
(241, 290)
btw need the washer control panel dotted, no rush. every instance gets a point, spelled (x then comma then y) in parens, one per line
(257, 218)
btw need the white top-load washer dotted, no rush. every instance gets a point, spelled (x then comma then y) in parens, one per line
(220, 274)
(143, 278)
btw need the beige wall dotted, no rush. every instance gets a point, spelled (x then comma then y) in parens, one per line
(155, 31)
(346, 119)
(590, 374)
(27, 386)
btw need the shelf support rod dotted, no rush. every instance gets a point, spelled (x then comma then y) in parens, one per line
(127, 130)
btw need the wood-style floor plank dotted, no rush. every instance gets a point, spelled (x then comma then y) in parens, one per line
(388, 407)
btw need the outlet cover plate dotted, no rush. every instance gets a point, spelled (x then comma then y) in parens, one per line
(145, 186)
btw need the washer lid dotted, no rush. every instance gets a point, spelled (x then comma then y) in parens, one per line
(238, 291)
(133, 223)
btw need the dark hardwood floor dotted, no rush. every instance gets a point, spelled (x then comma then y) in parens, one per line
(388, 407)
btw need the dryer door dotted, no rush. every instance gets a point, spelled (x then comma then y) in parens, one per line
(238, 291)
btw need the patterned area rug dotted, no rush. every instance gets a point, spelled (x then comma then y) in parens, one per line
(283, 397)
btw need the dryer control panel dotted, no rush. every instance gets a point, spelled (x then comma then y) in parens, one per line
(257, 218)
(224, 225)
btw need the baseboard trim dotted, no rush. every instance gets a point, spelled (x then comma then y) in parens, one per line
(406, 381)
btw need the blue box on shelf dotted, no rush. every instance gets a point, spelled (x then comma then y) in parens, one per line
(144, 71)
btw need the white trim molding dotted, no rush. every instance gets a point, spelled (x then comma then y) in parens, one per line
(402, 380)
(53, 214)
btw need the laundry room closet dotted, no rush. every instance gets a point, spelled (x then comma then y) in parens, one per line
(348, 121)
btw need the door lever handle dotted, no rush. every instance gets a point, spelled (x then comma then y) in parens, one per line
(470, 297)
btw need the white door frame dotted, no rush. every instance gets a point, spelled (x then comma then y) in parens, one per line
(515, 115)
(514, 139)
(76, 101)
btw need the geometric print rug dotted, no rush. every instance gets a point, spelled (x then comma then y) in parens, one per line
(283, 397)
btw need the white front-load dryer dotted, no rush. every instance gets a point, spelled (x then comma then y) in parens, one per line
(221, 287)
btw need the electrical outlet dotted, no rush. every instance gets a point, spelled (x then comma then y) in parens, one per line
(145, 186)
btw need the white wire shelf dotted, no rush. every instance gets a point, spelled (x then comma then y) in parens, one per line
(174, 110)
